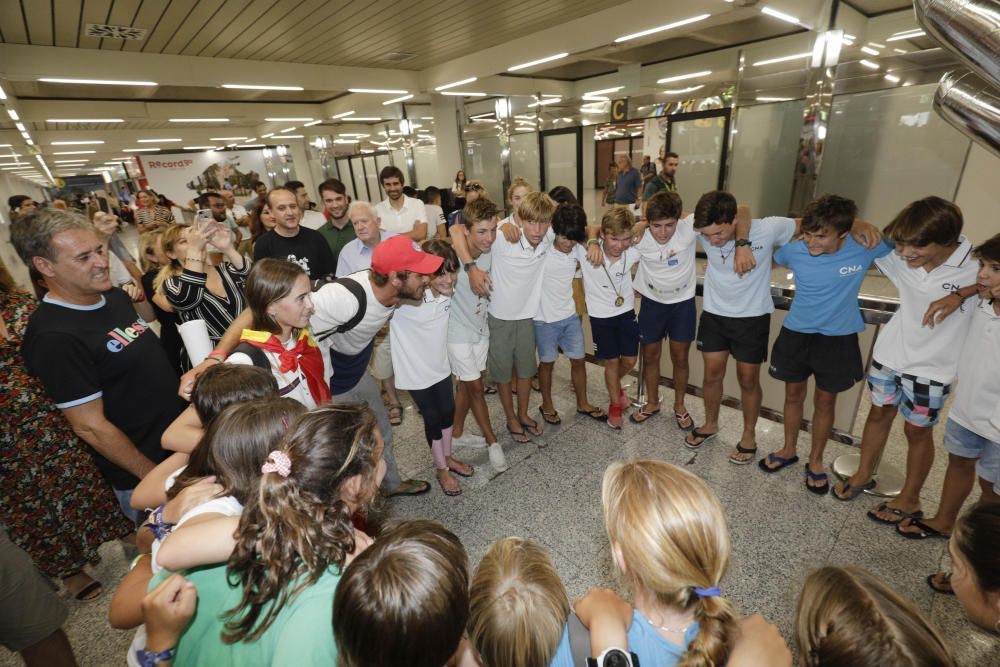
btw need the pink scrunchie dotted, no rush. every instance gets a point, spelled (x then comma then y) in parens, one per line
(277, 462)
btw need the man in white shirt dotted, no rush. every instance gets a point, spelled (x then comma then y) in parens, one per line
(437, 224)
(400, 214)
(310, 219)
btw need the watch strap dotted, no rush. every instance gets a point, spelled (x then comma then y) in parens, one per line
(742, 242)
(153, 658)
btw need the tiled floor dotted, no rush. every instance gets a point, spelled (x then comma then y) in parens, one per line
(552, 494)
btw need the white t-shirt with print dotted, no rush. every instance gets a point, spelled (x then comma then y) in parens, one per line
(667, 272)
(419, 331)
(602, 285)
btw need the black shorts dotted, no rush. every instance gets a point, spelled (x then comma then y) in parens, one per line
(743, 337)
(834, 360)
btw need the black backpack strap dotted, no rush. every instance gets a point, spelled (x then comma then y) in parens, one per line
(355, 288)
(256, 355)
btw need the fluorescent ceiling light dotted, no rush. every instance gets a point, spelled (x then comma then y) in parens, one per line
(287, 120)
(211, 139)
(774, 99)
(291, 136)
(782, 59)
(682, 77)
(73, 152)
(25, 134)
(69, 161)
(156, 141)
(547, 59)
(315, 122)
(378, 91)
(680, 91)
(900, 50)
(345, 114)
(890, 77)
(3, 95)
(359, 136)
(199, 148)
(17, 168)
(288, 129)
(403, 98)
(16, 164)
(602, 91)
(779, 15)
(101, 82)
(869, 64)
(21, 127)
(75, 143)
(906, 34)
(870, 51)
(675, 24)
(13, 114)
(345, 141)
(251, 86)
(455, 83)
(4, 145)
(251, 145)
(138, 150)
(551, 100)
(199, 120)
(458, 93)
(84, 120)
(263, 136)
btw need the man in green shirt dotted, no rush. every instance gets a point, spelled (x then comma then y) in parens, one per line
(338, 230)
(663, 181)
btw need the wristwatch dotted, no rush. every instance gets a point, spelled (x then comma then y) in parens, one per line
(468, 266)
(614, 657)
(742, 242)
(153, 658)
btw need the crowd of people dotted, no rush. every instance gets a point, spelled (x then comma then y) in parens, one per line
(248, 502)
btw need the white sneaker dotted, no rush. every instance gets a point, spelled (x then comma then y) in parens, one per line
(497, 459)
(470, 440)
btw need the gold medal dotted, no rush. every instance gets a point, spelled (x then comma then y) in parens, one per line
(619, 301)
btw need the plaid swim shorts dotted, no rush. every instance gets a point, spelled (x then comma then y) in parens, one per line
(920, 400)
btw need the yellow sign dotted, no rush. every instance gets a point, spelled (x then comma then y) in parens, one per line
(619, 110)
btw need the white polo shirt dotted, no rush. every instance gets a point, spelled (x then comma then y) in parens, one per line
(356, 256)
(666, 272)
(312, 219)
(403, 220)
(978, 393)
(602, 285)
(556, 303)
(517, 275)
(419, 332)
(731, 295)
(904, 344)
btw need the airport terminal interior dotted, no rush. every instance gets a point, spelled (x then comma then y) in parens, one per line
(305, 115)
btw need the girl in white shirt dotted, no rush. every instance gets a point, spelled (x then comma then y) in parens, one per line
(419, 333)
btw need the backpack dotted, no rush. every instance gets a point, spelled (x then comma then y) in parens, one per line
(359, 293)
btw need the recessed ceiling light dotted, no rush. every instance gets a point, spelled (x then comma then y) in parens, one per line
(21, 127)
(345, 141)
(73, 152)
(906, 34)
(75, 143)
(253, 86)
(890, 77)
(771, 61)
(199, 120)
(251, 145)
(682, 77)
(356, 135)
(458, 93)
(454, 84)
(16, 164)
(101, 82)
(69, 161)
(84, 120)
(286, 120)
(291, 136)
(602, 91)
(344, 114)
(669, 26)
(138, 150)
(550, 100)
(900, 50)
(315, 122)
(869, 64)
(398, 99)
(540, 61)
(378, 91)
(870, 51)
(779, 15)
(3, 95)
(13, 114)
(774, 99)
(288, 129)
(157, 141)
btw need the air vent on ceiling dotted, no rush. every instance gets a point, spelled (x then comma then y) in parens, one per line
(397, 57)
(104, 31)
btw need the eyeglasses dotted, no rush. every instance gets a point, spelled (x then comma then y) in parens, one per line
(470, 188)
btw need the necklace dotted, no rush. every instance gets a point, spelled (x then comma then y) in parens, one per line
(679, 631)
(618, 290)
(724, 255)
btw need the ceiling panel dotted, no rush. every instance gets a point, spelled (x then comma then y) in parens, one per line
(150, 14)
(68, 22)
(36, 90)
(94, 11)
(39, 17)
(872, 7)
(185, 31)
(329, 26)
(277, 29)
(216, 27)
(12, 22)
(123, 12)
(176, 13)
(574, 71)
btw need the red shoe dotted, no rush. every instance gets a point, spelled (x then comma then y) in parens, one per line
(615, 420)
(623, 400)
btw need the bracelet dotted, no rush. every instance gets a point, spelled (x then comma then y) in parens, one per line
(591, 242)
(218, 355)
(153, 658)
(194, 259)
(135, 561)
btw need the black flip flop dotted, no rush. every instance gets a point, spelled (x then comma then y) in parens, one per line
(926, 532)
(597, 414)
(774, 458)
(84, 594)
(743, 450)
(851, 492)
(899, 514)
(937, 588)
(705, 437)
(522, 433)
(817, 477)
(532, 431)
(550, 418)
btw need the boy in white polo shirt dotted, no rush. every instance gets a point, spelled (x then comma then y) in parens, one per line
(469, 333)
(610, 297)
(971, 438)
(915, 359)
(557, 326)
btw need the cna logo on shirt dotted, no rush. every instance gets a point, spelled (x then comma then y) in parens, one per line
(851, 270)
(301, 261)
(120, 338)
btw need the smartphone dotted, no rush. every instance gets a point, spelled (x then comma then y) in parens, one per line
(204, 216)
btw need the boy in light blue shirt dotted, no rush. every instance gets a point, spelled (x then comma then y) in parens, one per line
(820, 335)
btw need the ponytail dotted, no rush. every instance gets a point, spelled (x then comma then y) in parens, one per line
(717, 630)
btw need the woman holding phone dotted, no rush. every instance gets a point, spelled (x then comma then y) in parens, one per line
(195, 288)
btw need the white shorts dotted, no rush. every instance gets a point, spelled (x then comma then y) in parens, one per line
(468, 360)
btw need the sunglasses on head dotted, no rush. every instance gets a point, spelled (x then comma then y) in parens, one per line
(470, 188)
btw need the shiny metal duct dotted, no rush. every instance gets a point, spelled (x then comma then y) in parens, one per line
(972, 106)
(968, 28)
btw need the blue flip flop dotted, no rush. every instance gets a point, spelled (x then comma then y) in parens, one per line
(817, 477)
(774, 458)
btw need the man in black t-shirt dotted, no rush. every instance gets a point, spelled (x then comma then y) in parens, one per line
(291, 241)
(95, 355)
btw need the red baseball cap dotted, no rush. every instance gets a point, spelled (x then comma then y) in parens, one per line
(401, 253)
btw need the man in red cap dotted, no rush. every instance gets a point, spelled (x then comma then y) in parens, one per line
(347, 315)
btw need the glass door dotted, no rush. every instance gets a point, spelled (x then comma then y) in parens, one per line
(699, 139)
(560, 156)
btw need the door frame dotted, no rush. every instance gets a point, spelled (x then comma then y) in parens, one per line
(578, 131)
(725, 113)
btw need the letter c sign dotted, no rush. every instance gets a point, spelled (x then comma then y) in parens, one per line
(619, 110)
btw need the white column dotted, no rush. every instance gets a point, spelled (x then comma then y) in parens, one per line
(447, 135)
(300, 160)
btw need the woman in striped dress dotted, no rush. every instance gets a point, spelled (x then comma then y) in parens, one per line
(194, 288)
(151, 215)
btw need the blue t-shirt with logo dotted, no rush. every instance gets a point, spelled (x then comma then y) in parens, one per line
(827, 286)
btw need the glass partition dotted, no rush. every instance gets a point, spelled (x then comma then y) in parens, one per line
(698, 142)
(482, 162)
(524, 158)
(764, 154)
(371, 177)
(358, 171)
(561, 160)
(344, 169)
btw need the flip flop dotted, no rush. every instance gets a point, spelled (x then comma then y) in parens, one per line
(597, 414)
(551, 418)
(740, 449)
(822, 489)
(851, 492)
(395, 414)
(514, 435)
(926, 532)
(899, 514)
(704, 437)
(411, 487)
(774, 458)
(945, 581)
(489, 389)
(90, 592)
(684, 417)
(533, 430)
(642, 415)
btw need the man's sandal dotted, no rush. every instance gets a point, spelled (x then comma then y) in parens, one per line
(898, 514)
(596, 414)
(681, 419)
(702, 438)
(940, 582)
(767, 463)
(850, 492)
(395, 414)
(823, 488)
(923, 531)
(551, 418)
(740, 449)
(642, 415)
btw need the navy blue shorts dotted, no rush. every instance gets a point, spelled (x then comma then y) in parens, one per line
(615, 337)
(675, 321)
